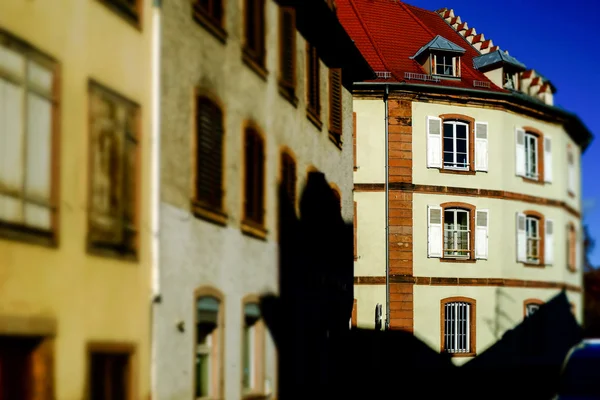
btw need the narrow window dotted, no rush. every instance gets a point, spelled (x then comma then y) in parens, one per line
(532, 229)
(254, 32)
(355, 231)
(458, 326)
(207, 339)
(572, 247)
(313, 85)
(114, 134)
(457, 233)
(209, 154)
(28, 162)
(254, 179)
(456, 145)
(287, 52)
(109, 375)
(288, 176)
(354, 140)
(570, 171)
(252, 350)
(128, 9)
(335, 104)
(531, 156)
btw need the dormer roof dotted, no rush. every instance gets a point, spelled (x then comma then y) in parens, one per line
(439, 43)
(486, 61)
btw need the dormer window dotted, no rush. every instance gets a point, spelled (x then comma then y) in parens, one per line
(511, 80)
(445, 64)
(440, 58)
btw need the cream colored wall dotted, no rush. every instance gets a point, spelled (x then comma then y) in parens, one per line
(501, 144)
(368, 296)
(370, 234)
(498, 309)
(197, 253)
(495, 75)
(370, 141)
(501, 262)
(92, 298)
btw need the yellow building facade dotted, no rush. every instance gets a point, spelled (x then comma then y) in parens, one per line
(75, 128)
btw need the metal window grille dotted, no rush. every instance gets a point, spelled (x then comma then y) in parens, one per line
(457, 323)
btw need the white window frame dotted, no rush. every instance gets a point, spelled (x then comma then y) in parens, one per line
(457, 326)
(454, 152)
(529, 220)
(452, 59)
(531, 308)
(455, 232)
(531, 145)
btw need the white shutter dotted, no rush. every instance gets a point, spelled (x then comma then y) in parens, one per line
(521, 238)
(434, 142)
(578, 250)
(481, 146)
(549, 242)
(11, 149)
(547, 160)
(434, 231)
(520, 151)
(481, 234)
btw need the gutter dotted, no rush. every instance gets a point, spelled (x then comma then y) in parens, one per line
(155, 181)
(573, 124)
(387, 210)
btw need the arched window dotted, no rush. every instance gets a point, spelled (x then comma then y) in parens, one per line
(288, 175)
(208, 343)
(254, 180)
(253, 348)
(530, 306)
(458, 326)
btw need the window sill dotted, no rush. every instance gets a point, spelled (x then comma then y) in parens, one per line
(531, 180)
(208, 213)
(313, 117)
(20, 233)
(458, 260)
(99, 250)
(533, 265)
(255, 230)
(255, 65)
(336, 138)
(456, 171)
(289, 94)
(211, 26)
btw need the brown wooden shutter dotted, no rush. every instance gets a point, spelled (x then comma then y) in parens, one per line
(254, 179)
(209, 153)
(313, 80)
(288, 48)
(335, 101)
(260, 179)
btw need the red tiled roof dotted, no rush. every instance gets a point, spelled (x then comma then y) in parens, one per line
(389, 32)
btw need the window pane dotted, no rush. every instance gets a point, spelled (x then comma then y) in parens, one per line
(202, 375)
(247, 356)
(461, 145)
(462, 218)
(461, 160)
(448, 130)
(448, 144)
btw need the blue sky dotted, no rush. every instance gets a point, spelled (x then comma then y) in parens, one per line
(561, 41)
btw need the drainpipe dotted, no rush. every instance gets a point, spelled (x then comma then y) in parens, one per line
(155, 180)
(387, 210)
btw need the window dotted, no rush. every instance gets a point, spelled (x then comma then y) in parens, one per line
(112, 220)
(570, 171)
(288, 176)
(572, 247)
(510, 80)
(287, 53)
(208, 202)
(254, 213)
(535, 239)
(252, 350)
(354, 140)
(355, 225)
(110, 372)
(208, 346)
(209, 13)
(533, 155)
(447, 65)
(28, 143)
(457, 231)
(128, 9)
(531, 306)
(313, 85)
(458, 326)
(335, 105)
(254, 34)
(456, 145)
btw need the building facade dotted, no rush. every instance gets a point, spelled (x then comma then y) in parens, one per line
(483, 181)
(254, 94)
(74, 199)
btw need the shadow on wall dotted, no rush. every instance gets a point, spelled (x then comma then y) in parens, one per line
(320, 357)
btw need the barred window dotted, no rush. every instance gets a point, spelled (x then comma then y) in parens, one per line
(458, 327)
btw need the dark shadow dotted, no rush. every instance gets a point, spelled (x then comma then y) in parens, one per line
(320, 357)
